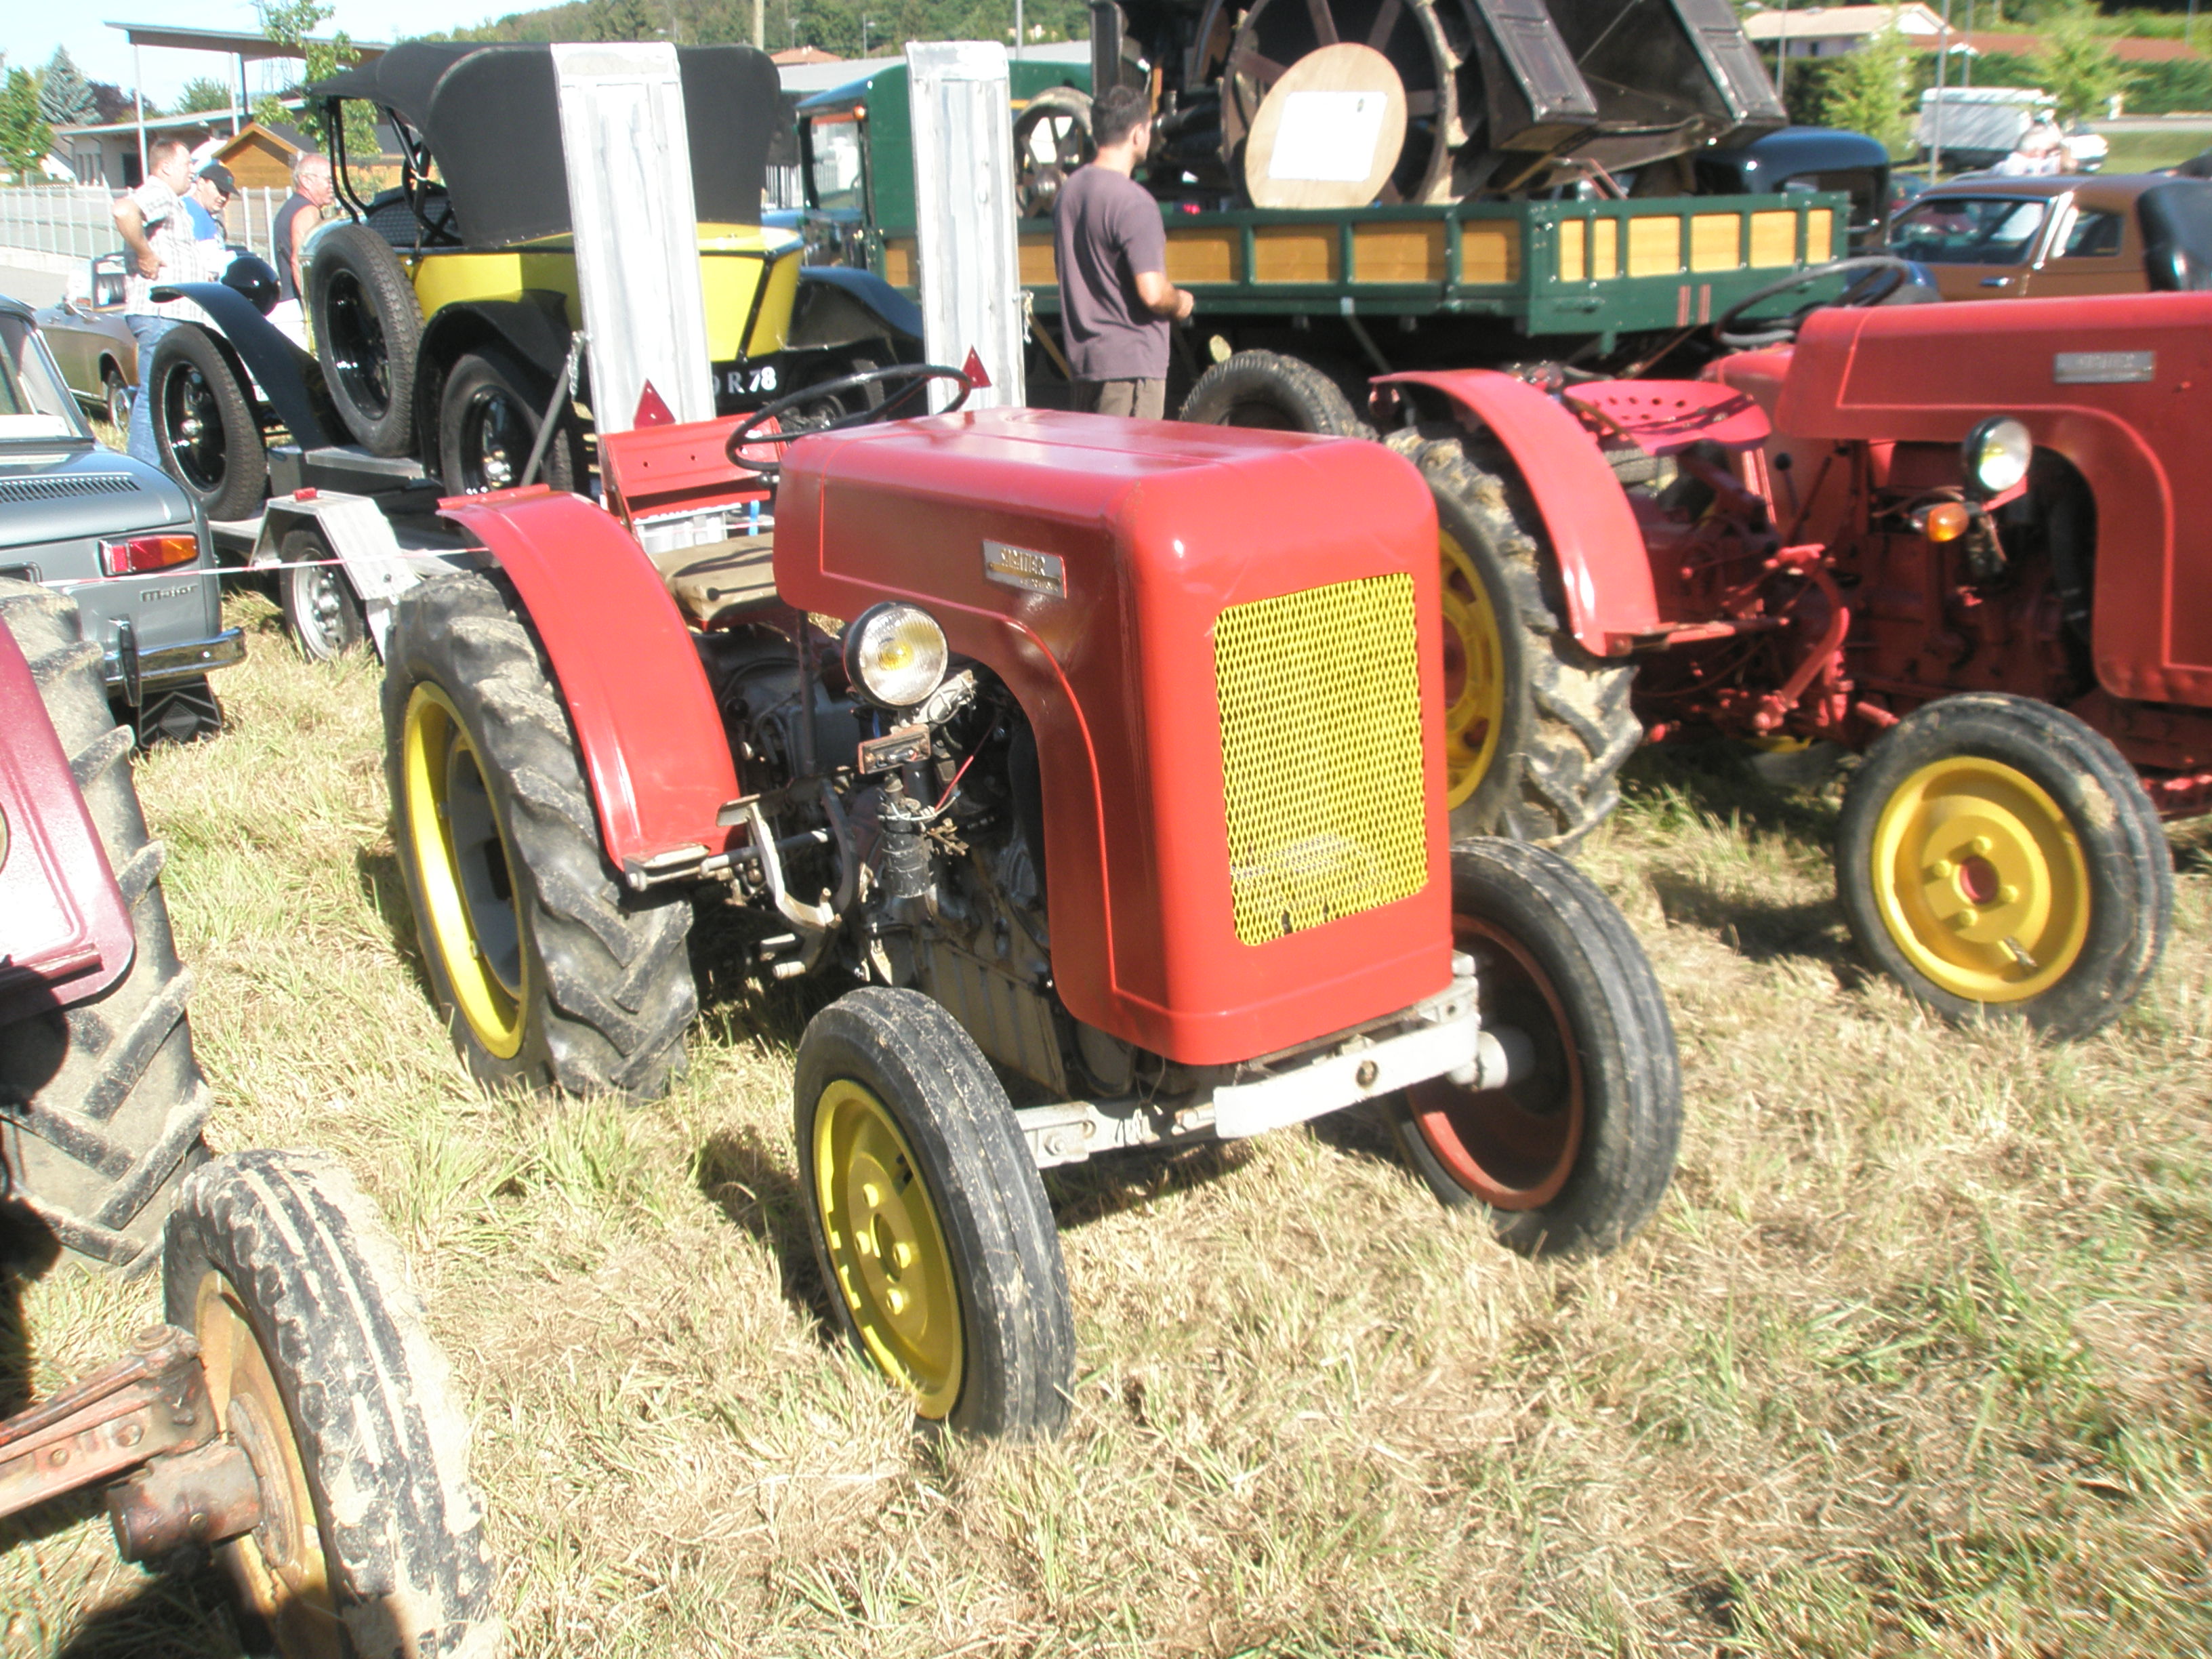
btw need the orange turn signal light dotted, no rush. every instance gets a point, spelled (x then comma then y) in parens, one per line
(1947, 521)
(148, 553)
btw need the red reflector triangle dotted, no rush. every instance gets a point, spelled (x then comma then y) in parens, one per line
(973, 368)
(651, 411)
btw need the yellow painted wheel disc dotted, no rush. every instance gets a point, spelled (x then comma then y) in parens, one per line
(887, 1250)
(1475, 675)
(463, 867)
(279, 1567)
(1980, 880)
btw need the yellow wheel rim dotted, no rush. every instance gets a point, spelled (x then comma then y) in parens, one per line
(887, 1251)
(463, 865)
(279, 1567)
(1980, 880)
(1475, 675)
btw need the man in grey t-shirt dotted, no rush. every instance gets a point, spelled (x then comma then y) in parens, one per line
(1115, 302)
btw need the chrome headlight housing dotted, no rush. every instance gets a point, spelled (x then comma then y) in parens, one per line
(896, 654)
(1997, 454)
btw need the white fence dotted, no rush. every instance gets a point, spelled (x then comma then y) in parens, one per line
(68, 223)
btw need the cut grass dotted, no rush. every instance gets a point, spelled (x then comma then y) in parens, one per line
(2137, 151)
(1916, 1357)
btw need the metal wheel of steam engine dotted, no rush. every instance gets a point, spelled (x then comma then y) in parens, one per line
(368, 332)
(1998, 859)
(320, 1370)
(1052, 139)
(204, 428)
(319, 603)
(100, 1104)
(930, 1225)
(488, 419)
(1572, 1156)
(548, 971)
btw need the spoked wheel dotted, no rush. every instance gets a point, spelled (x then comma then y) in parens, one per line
(930, 1225)
(204, 428)
(487, 422)
(1052, 139)
(1997, 857)
(1572, 1155)
(320, 1370)
(320, 606)
(548, 972)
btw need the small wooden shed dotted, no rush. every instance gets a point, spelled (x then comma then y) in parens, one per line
(259, 159)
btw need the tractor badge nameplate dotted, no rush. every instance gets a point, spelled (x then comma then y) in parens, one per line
(1020, 567)
(2102, 368)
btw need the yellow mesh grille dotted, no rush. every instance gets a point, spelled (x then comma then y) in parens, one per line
(1321, 749)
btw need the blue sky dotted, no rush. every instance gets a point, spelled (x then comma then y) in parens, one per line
(30, 32)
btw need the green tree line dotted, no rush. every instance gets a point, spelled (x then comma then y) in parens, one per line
(842, 27)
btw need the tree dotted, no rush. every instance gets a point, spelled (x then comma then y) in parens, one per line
(288, 22)
(1870, 90)
(2076, 63)
(203, 94)
(64, 96)
(25, 137)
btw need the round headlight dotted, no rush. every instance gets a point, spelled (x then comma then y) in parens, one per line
(895, 654)
(1997, 454)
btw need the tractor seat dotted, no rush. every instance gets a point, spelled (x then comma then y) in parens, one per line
(715, 579)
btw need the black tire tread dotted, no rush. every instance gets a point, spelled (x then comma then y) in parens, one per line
(245, 455)
(1580, 727)
(619, 993)
(370, 258)
(96, 1148)
(1306, 399)
(565, 464)
(368, 1390)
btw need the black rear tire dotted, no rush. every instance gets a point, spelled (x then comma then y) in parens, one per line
(101, 1105)
(204, 428)
(548, 970)
(368, 333)
(1268, 389)
(320, 1368)
(1572, 1157)
(931, 1228)
(320, 607)
(488, 420)
(2072, 838)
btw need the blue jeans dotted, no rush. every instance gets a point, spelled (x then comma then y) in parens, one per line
(138, 443)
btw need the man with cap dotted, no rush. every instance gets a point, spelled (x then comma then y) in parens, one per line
(212, 188)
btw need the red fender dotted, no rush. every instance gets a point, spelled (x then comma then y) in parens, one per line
(1604, 570)
(65, 934)
(644, 715)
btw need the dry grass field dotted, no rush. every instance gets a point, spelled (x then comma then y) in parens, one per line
(1916, 1357)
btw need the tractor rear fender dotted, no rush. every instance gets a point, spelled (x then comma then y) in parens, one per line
(1604, 574)
(644, 720)
(535, 328)
(291, 380)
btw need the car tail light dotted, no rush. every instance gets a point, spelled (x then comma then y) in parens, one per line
(148, 553)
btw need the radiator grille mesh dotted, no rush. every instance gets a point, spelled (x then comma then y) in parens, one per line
(1321, 751)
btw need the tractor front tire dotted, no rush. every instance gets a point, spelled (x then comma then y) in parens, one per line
(1999, 860)
(548, 970)
(101, 1105)
(369, 335)
(1267, 390)
(320, 1368)
(1535, 727)
(204, 427)
(1573, 1154)
(931, 1230)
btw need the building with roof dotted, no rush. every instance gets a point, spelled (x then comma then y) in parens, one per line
(1832, 30)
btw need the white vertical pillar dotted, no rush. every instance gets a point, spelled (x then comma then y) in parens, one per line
(964, 190)
(138, 92)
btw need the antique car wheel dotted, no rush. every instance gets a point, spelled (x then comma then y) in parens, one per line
(204, 428)
(488, 419)
(319, 604)
(1056, 122)
(116, 396)
(1998, 857)
(930, 1225)
(111, 1083)
(1572, 1156)
(1536, 728)
(368, 331)
(547, 970)
(319, 1368)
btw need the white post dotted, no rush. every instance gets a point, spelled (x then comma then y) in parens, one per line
(138, 92)
(963, 178)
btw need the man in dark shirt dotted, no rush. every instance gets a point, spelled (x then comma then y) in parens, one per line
(1117, 304)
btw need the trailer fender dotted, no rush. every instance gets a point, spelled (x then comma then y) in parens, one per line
(291, 380)
(1605, 575)
(651, 739)
(535, 328)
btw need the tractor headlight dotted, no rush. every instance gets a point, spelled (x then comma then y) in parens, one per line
(896, 654)
(1997, 454)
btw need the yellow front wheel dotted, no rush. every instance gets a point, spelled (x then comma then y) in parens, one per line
(930, 1226)
(1996, 855)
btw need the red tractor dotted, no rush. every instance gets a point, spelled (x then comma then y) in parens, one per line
(291, 1415)
(1115, 795)
(1952, 536)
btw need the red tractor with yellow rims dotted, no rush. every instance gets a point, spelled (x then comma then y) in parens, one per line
(1956, 537)
(1115, 794)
